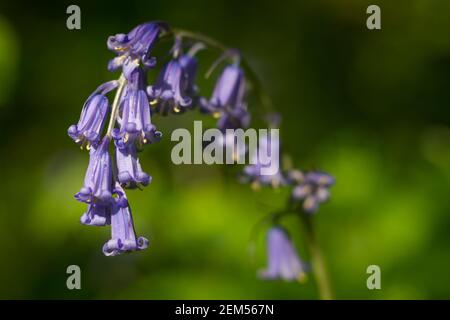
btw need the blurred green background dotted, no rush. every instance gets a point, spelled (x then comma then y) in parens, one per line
(370, 107)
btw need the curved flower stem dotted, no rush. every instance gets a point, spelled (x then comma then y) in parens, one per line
(199, 37)
(115, 106)
(264, 98)
(272, 216)
(318, 264)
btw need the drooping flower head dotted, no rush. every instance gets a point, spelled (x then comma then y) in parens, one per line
(311, 188)
(129, 171)
(264, 169)
(131, 128)
(98, 180)
(135, 123)
(170, 92)
(227, 101)
(283, 260)
(93, 116)
(123, 237)
(189, 64)
(233, 119)
(97, 214)
(136, 45)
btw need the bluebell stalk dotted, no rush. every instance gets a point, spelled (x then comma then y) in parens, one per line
(130, 129)
(309, 189)
(105, 179)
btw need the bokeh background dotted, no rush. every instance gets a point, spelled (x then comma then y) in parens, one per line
(370, 107)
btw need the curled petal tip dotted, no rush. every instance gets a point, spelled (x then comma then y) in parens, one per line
(149, 62)
(142, 243)
(112, 247)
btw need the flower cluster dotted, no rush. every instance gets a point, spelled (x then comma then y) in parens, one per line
(310, 188)
(106, 177)
(130, 128)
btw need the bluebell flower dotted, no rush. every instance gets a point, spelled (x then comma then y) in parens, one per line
(283, 260)
(123, 237)
(233, 119)
(98, 180)
(129, 171)
(93, 117)
(189, 64)
(252, 173)
(170, 91)
(97, 214)
(227, 101)
(136, 45)
(311, 189)
(135, 122)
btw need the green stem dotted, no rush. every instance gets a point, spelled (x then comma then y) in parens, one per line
(115, 106)
(263, 97)
(318, 265)
(200, 37)
(317, 261)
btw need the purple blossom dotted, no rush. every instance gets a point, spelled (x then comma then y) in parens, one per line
(311, 188)
(175, 91)
(190, 65)
(229, 90)
(233, 119)
(97, 214)
(253, 172)
(227, 101)
(129, 171)
(93, 116)
(135, 123)
(170, 92)
(283, 260)
(98, 180)
(123, 238)
(136, 45)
